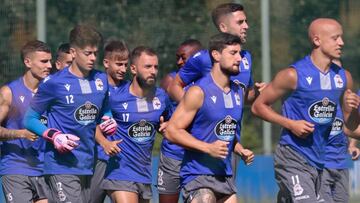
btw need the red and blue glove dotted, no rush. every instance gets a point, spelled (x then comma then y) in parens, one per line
(108, 126)
(62, 142)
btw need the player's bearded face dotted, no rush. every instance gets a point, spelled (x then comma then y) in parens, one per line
(236, 24)
(230, 60)
(147, 69)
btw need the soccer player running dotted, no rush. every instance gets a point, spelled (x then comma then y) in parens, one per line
(21, 164)
(207, 124)
(75, 99)
(138, 107)
(171, 155)
(312, 88)
(116, 56)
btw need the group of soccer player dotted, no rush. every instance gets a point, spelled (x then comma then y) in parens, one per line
(71, 133)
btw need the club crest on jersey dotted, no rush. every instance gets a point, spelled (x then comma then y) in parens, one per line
(44, 120)
(22, 98)
(156, 103)
(237, 82)
(141, 131)
(337, 127)
(86, 113)
(226, 128)
(323, 111)
(99, 84)
(339, 83)
(245, 62)
(237, 99)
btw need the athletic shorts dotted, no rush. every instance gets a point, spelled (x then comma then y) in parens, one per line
(334, 186)
(168, 181)
(96, 192)
(69, 188)
(222, 186)
(24, 189)
(142, 189)
(297, 180)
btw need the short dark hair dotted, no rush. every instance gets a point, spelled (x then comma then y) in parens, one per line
(191, 42)
(116, 49)
(224, 9)
(63, 48)
(136, 53)
(33, 46)
(219, 42)
(84, 35)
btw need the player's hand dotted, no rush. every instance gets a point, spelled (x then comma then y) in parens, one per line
(65, 142)
(352, 100)
(301, 128)
(247, 156)
(27, 135)
(260, 86)
(62, 142)
(218, 149)
(354, 152)
(108, 126)
(111, 148)
(163, 125)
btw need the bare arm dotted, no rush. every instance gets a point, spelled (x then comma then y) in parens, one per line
(176, 89)
(10, 134)
(111, 148)
(350, 105)
(181, 119)
(166, 81)
(284, 82)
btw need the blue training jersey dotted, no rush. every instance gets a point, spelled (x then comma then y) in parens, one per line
(74, 106)
(138, 120)
(21, 156)
(337, 156)
(195, 68)
(315, 100)
(101, 155)
(219, 118)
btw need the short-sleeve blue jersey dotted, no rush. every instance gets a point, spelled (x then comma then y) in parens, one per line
(74, 106)
(101, 155)
(315, 100)
(138, 120)
(21, 156)
(337, 156)
(200, 65)
(219, 118)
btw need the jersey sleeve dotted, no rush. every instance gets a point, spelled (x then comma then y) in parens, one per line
(249, 59)
(45, 95)
(191, 71)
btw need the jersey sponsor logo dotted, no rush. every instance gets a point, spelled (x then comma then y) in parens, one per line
(99, 84)
(213, 98)
(323, 111)
(67, 87)
(245, 62)
(43, 120)
(226, 128)
(22, 98)
(337, 127)
(309, 80)
(141, 131)
(339, 83)
(156, 103)
(86, 113)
